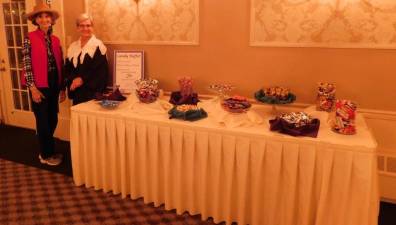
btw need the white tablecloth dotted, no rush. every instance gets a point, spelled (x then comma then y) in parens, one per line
(244, 174)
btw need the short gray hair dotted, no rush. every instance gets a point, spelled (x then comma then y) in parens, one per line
(83, 17)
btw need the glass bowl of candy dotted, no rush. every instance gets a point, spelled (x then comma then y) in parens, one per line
(326, 98)
(147, 90)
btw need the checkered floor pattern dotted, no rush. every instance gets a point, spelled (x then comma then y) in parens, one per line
(33, 196)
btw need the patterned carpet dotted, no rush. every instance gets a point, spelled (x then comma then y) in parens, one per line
(33, 196)
(46, 196)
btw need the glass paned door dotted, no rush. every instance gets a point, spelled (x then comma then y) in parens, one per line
(14, 28)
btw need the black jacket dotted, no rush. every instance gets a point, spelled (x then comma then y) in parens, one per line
(94, 73)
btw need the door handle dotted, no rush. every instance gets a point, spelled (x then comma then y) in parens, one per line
(2, 68)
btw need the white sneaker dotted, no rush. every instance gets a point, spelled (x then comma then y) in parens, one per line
(52, 160)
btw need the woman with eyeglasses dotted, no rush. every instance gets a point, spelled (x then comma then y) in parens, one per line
(86, 66)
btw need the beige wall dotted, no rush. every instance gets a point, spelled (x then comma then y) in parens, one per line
(224, 55)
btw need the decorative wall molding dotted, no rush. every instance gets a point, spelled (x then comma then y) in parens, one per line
(324, 23)
(154, 22)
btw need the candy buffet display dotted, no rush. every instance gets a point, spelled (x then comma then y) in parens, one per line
(185, 95)
(326, 96)
(344, 120)
(296, 124)
(147, 90)
(187, 112)
(236, 104)
(235, 111)
(275, 95)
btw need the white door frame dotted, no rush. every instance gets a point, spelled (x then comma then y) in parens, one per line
(3, 105)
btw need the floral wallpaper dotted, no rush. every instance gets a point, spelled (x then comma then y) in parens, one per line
(324, 23)
(145, 21)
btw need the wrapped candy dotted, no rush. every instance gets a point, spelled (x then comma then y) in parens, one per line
(326, 97)
(344, 120)
(296, 124)
(275, 95)
(280, 93)
(147, 90)
(298, 119)
(187, 112)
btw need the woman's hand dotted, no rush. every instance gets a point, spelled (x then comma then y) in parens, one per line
(37, 96)
(77, 82)
(62, 96)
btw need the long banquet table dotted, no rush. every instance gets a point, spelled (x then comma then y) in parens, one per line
(247, 175)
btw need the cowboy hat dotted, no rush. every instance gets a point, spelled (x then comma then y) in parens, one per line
(40, 8)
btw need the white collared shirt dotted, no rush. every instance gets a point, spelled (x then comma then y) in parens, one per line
(89, 48)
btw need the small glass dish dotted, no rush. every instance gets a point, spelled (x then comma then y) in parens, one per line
(236, 104)
(234, 110)
(109, 104)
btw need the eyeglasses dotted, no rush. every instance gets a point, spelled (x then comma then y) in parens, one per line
(84, 25)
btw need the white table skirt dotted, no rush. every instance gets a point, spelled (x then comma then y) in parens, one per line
(241, 175)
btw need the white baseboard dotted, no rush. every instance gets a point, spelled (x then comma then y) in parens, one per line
(388, 200)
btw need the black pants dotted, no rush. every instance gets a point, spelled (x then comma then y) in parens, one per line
(46, 113)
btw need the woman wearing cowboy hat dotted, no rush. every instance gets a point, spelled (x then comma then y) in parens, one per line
(42, 58)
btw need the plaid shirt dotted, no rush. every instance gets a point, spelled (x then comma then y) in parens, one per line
(27, 58)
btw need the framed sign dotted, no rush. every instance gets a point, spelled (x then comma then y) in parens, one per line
(128, 67)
